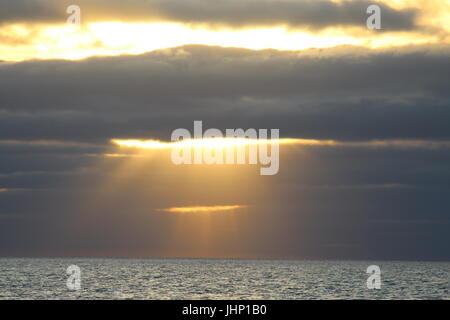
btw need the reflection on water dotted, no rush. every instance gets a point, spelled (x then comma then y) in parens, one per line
(220, 279)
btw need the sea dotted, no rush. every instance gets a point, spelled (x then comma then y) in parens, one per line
(202, 279)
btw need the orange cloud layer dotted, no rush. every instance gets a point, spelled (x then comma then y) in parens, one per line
(203, 209)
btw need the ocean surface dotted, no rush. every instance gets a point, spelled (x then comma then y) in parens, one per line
(220, 279)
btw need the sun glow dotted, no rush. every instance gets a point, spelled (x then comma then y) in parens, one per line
(203, 209)
(211, 142)
(116, 38)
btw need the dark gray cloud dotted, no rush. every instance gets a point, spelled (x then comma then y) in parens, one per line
(31, 11)
(346, 201)
(367, 95)
(230, 13)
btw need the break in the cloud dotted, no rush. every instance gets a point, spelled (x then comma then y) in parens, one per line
(113, 27)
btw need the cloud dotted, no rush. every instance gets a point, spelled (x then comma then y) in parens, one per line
(322, 195)
(339, 94)
(385, 112)
(307, 14)
(30, 11)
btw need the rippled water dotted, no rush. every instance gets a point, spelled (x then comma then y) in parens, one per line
(220, 279)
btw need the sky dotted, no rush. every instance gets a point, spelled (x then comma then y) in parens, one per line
(87, 112)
